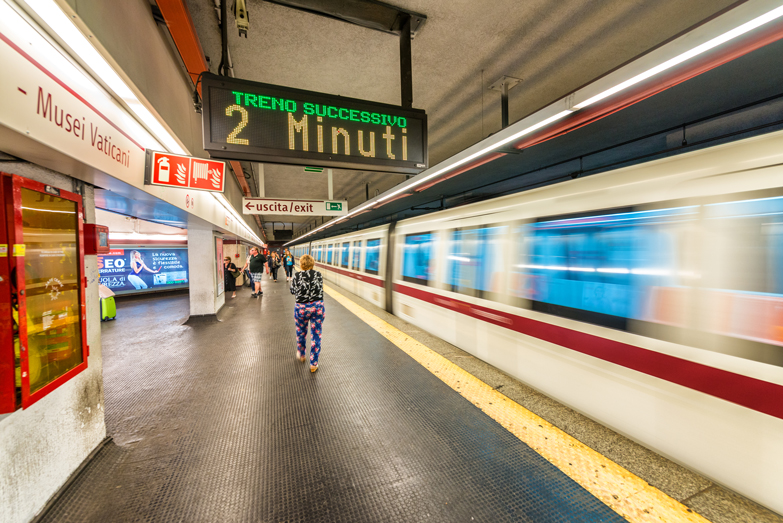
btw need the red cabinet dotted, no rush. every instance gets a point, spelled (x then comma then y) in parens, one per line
(42, 308)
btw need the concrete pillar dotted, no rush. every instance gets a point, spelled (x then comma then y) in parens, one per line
(205, 302)
(260, 175)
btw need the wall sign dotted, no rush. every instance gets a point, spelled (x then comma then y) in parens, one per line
(252, 121)
(294, 207)
(187, 172)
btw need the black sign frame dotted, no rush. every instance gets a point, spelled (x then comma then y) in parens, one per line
(227, 151)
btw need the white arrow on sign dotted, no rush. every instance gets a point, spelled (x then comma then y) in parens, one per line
(293, 207)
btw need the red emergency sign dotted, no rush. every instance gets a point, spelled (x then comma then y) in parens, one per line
(174, 170)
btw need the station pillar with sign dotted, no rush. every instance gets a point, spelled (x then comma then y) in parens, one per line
(206, 273)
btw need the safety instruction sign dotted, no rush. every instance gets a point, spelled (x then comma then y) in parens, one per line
(186, 172)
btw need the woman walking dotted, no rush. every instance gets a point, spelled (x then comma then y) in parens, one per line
(274, 265)
(308, 287)
(288, 264)
(229, 276)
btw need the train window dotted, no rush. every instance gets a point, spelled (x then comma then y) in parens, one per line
(372, 256)
(745, 245)
(345, 254)
(416, 258)
(602, 269)
(357, 250)
(329, 254)
(475, 261)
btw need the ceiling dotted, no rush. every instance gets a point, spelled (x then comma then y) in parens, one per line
(740, 99)
(555, 46)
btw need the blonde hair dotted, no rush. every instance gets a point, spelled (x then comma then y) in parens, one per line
(306, 262)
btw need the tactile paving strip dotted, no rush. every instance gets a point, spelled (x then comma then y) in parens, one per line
(623, 491)
(219, 422)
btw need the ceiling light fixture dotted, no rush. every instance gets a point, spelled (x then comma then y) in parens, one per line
(696, 51)
(143, 236)
(220, 198)
(70, 34)
(482, 152)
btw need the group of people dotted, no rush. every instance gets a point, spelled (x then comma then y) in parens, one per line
(255, 265)
(307, 286)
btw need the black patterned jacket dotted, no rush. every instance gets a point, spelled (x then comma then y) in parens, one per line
(308, 286)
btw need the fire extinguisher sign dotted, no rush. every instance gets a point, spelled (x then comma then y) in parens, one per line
(187, 172)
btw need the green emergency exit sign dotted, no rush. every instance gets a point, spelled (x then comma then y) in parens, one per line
(334, 206)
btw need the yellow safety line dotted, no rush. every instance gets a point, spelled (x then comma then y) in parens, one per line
(627, 494)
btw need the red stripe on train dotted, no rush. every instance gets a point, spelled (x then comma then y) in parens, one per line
(355, 275)
(752, 393)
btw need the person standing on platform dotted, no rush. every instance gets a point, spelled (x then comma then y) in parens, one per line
(308, 288)
(288, 264)
(229, 276)
(256, 262)
(273, 264)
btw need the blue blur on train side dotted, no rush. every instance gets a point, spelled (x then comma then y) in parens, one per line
(714, 267)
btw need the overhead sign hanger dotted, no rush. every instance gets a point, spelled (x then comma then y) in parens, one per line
(259, 122)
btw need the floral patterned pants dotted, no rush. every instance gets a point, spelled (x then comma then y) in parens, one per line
(312, 312)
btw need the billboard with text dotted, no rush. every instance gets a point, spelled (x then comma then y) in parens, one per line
(142, 269)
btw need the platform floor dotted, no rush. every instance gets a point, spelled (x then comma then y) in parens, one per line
(219, 422)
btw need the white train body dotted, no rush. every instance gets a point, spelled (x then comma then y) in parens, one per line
(646, 298)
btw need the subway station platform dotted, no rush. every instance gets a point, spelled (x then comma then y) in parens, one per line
(218, 422)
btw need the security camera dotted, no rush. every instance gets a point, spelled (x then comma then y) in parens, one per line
(241, 16)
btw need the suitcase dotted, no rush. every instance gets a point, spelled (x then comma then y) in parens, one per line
(108, 309)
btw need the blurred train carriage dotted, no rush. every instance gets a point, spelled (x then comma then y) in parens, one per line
(649, 298)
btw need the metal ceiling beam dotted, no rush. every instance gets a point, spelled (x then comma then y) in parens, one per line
(183, 32)
(406, 63)
(372, 14)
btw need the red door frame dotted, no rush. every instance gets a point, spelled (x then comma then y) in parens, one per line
(7, 365)
(16, 237)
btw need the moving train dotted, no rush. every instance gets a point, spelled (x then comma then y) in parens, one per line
(649, 298)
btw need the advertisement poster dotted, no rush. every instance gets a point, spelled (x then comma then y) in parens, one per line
(219, 251)
(143, 269)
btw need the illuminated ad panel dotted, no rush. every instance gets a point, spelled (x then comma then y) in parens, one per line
(137, 270)
(267, 123)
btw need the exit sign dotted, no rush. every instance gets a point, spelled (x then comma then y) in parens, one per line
(291, 207)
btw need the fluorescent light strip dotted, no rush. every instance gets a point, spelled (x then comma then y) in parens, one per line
(463, 161)
(240, 220)
(482, 152)
(20, 30)
(142, 236)
(61, 24)
(725, 37)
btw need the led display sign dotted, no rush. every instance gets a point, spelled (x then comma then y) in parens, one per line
(267, 123)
